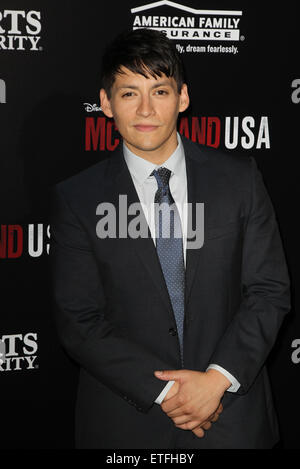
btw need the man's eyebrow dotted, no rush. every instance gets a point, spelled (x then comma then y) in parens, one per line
(156, 85)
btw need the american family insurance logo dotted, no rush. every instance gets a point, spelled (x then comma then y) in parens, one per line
(183, 23)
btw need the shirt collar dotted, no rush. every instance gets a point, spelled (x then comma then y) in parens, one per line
(141, 168)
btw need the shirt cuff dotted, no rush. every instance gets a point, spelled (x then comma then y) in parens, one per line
(234, 382)
(161, 397)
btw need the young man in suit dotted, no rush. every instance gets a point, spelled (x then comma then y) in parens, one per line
(171, 336)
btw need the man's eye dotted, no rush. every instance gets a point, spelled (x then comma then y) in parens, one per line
(128, 94)
(161, 92)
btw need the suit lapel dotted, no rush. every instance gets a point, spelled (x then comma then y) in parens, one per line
(197, 187)
(120, 182)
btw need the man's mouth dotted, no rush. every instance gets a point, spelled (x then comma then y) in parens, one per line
(145, 128)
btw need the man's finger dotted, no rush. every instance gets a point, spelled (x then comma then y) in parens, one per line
(183, 419)
(176, 412)
(206, 425)
(173, 405)
(219, 409)
(182, 414)
(189, 425)
(168, 375)
(199, 432)
(214, 418)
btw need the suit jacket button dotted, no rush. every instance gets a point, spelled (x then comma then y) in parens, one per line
(172, 331)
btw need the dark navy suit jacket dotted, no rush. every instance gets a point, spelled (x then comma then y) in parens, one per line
(115, 319)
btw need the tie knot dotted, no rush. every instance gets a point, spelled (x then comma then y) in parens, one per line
(162, 176)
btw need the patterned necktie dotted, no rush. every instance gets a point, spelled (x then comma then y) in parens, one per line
(169, 247)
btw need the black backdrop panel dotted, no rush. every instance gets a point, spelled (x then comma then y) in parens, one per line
(243, 84)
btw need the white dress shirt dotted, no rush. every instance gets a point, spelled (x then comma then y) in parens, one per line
(146, 187)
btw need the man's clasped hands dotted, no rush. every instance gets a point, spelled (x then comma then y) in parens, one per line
(194, 400)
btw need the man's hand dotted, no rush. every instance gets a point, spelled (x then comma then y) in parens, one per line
(199, 430)
(194, 399)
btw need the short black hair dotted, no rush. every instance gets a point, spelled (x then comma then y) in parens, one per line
(144, 51)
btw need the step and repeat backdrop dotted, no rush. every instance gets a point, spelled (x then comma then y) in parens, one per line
(244, 82)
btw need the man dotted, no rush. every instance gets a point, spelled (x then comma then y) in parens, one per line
(129, 307)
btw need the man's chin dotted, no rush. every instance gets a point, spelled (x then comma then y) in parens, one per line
(145, 146)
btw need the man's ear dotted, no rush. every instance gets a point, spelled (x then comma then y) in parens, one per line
(105, 103)
(184, 100)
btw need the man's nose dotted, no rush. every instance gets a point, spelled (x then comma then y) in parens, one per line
(145, 107)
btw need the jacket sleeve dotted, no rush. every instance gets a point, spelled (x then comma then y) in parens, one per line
(80, 315)
(251, 334)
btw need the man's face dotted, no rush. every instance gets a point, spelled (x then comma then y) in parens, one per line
(145, 111)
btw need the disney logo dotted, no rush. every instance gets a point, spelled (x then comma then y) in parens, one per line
(92, 107)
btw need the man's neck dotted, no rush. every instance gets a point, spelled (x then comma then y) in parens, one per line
(158, 155)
